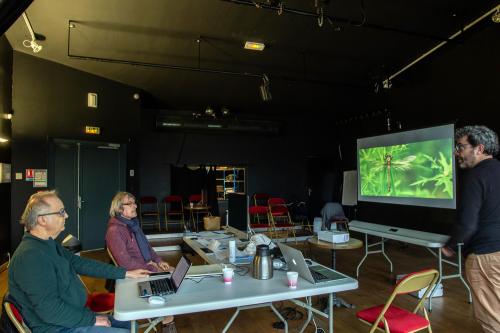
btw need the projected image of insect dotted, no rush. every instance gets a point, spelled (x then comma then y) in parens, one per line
(419, 169)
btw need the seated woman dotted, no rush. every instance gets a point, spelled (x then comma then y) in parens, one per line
(128, 244)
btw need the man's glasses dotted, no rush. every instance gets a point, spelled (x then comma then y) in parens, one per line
(460, 147)
(61, 212)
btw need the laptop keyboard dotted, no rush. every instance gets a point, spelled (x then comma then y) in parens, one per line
(160, 287)
(317, 276)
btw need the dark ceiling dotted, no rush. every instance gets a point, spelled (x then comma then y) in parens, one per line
(188, 54)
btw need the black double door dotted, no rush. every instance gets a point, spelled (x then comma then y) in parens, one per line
(86, 176)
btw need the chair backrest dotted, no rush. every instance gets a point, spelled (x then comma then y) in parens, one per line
(173, 205)
(426, 278)
(260, 198)
(172, 198)
(111, 256)
(148, 200)
(276, 202)
(194, 198)
(16, 317)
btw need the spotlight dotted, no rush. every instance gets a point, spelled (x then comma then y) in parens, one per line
(33, 44)
(225, 112)
(34, 36)
(496, 16)
(265, 93)
(209, 111)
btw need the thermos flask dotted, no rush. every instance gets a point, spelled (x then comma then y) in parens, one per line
(262, 263)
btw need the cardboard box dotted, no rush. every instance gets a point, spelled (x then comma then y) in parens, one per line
(438, 292)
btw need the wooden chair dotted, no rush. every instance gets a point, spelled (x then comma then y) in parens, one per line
(389, 318)
(172, 205)
(280, 217)
(149, 211)
(15, 317)
(196, 200)
(113, 260)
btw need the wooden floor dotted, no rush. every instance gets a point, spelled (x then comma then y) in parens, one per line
(451, 313)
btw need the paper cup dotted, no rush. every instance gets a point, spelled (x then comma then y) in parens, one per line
(292, 278)
(227, 275)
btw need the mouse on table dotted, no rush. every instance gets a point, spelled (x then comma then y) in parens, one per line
(156, 300)
(308, 262)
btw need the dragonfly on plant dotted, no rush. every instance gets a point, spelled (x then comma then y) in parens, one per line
(393, 163)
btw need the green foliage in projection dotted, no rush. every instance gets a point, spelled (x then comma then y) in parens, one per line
(416, 170)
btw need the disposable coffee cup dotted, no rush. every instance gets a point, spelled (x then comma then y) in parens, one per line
(292, 278)
(191, 205)
(228, 275)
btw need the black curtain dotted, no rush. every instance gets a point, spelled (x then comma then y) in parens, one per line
(186, 182)
(212, 191)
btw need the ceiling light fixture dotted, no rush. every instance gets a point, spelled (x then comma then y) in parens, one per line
(254, 46)
(34, 37)
(496, 16)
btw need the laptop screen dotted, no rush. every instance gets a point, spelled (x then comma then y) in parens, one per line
(180, 271)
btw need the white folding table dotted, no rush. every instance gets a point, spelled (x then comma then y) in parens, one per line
(428, 240)
(212, 294)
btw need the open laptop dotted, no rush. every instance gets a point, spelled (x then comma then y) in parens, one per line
(314, 273)
(168, 285)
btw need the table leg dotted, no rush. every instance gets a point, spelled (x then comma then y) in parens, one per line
(364, 257)
(337, 301)
(133, 327)
(330, 313)
(309, 314)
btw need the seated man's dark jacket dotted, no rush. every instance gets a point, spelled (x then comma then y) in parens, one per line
(478, 213)
(43, 280)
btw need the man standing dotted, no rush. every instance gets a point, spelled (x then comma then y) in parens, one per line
(478, 220)
(43, 275)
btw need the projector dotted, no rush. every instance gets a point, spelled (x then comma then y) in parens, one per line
(333, 236)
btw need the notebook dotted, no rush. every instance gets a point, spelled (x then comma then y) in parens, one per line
(204, 270)
(168, 285)
(314, 273)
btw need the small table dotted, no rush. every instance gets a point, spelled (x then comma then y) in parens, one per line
(196, 209)
(352, 244)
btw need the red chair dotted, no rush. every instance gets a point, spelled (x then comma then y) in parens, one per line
(256, 213)
(99, 302)
(173, 206)
(149, 211)
(195, 198)
(260, 199)
(280, 217)
(389, 318)
(15, 317)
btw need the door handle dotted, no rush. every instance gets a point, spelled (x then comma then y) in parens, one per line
(80, 201)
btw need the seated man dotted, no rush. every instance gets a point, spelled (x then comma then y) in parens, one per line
(128, 244)
(43, 275)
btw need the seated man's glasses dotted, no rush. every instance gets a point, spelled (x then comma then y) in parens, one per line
(61, 212)
(460, 147)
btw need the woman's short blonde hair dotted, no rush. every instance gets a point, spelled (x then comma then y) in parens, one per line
(117, 203)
